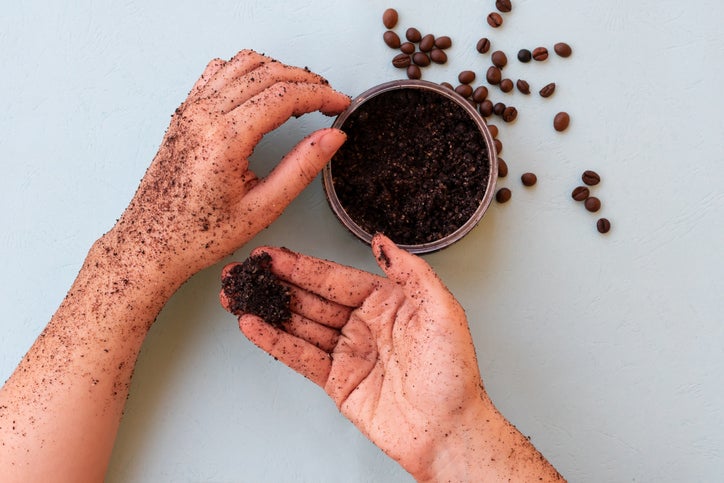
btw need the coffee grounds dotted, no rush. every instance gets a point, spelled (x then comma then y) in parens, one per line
(252, 288)
(414, 167)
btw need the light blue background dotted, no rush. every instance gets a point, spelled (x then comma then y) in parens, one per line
(608, 351)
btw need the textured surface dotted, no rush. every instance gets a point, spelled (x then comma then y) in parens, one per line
(607, 350)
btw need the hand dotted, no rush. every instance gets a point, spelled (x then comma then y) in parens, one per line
(395, 354)
(198, 201)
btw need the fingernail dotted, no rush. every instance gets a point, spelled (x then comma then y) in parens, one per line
(332, 141)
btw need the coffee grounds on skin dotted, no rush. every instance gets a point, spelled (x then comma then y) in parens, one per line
(414, 167)
(252, 288)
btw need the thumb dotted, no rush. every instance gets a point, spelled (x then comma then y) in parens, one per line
(400, 266)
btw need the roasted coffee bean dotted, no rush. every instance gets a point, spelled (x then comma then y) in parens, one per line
(528, 179)
(523, 86)
(413, 35)
(401, 61)
(591, 178)
(498, 146)
(540, 54)
(413, 72)
(391, 39)
(443, 42)
(563, 49)
(480, 94)
(561, 121)
(466, 77)
(592, 204)
(510, 113)
(427, 43)
(438, 56)
(499, 108)
(548, 90)
(493, 75)
(499, 59)
(502, 168)
(495, 20)
(464, 90)
(493, 130)
(421, 59)
(506, 85)
(486, 108)
(448, 85)
(503, 195)
(580, 193)
(503, 5)
(524, 55)
(603, 225)
(483, 45)
(389, 18)
(407, 48)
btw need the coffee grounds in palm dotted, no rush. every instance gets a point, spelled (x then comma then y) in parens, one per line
(414, 166)
(252, 288)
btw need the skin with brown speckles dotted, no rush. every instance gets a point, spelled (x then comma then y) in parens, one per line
(396, 356)
(198, 202)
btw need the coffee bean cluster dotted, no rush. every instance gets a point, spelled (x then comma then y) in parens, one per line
(592, 203)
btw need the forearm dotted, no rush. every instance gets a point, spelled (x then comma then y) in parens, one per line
(60, 410)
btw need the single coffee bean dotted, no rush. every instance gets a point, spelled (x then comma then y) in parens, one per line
(480, 94)
(495, 20)
(407, 48)
(391, 39)
(413, 35)
(493, 130)
(464, 90)
(506, 85)
(413, 72)
(401, 61)
(389, 18)
(503, 5)
(502, 168)
(563, 49)
(499, 108)
(580, 193)
(498, 146)
(443, 42)
(523, 86)
(591, 178)
(548, 90)
(603, 225)
(448, 85)
(493, 75)
(561, 121)
(483, 45)
(503, 195)
(528, 179)
(510, 113)
(427, 43)
(499, 59)
(592, 204)
(466, 77)
(524, 55)
(421, 59)
(540, 54)
(438, 56)
(486, 108)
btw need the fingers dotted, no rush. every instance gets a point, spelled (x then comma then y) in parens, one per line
(242, 63)
(270, 196)
(211, 69)
(322, 311)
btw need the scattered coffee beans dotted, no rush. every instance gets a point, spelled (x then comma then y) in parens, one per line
(443, 42)
(548, 90)
(603, 225)
(540, 54)
(562, 49)
(493, 75)
(407, 48)
(499, 108)
(391, 39)
(561, 121)
(486, 108)
(506, 85)
(438, 56)
(503, 5)
(466, 77)
(448, 85)
(401, 61)
(524, 55)
(464, 90)
(580, 193)
(510, 114)
(499, 59)
(592, 204)
(502, 168)
(413, 35)
(503, 195)
(483, 45)
(498, 146)
(523, 86)
(427, 43)
(421, 59)
(480, 94)
(591, 178)
(389, 18)
(528, 179)
(413, 72)
(495, 20)
(493, 130)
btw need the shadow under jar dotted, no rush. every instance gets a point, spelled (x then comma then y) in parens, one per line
(418, 166)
